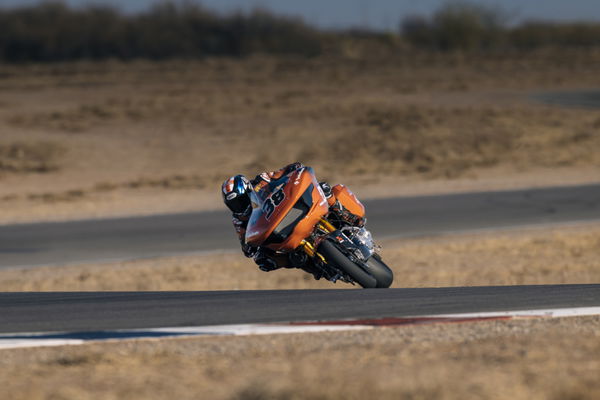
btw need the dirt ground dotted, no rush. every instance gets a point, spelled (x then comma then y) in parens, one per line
(92, 140)
(522, 359)
(561, 255)
(98, 139)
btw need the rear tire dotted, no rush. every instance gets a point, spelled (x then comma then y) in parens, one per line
(339, 259)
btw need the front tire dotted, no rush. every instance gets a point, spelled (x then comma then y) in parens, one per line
(334, 256)
(382, 273)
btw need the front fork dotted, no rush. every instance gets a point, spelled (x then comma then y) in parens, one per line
(309, 247)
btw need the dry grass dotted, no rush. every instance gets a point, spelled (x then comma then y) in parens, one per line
(450, 142)
(430, 117)
(537, 256)
(535, 359)
(35, 157)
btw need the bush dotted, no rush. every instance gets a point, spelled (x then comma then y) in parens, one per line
(533, 35)
(470, 27)
(457, 26)
(52, 31)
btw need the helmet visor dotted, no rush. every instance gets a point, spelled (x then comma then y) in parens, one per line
(237, 204)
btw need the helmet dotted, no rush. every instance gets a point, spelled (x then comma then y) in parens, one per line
(235, 193)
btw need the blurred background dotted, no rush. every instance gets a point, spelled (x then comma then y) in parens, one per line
(116, 108)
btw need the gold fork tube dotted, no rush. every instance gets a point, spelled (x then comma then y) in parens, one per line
(327, 225)
(310, 250)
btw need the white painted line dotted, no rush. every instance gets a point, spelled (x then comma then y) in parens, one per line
(258, 329)
(20, 343)
(543, 313)
(19, 340)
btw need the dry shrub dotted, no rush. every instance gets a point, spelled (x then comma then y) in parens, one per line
(446, 142)
(114, 110)
(52, 31)
(34, 157)
(169, 182)
(49, 197)
(74, 120)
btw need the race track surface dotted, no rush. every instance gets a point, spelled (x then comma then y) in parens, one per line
(126, 238)
(89, 311)
(577, 98)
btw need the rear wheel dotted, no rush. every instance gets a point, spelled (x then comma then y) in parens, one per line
(339, 259)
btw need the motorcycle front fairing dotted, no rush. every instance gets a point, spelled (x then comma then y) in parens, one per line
(286, 211)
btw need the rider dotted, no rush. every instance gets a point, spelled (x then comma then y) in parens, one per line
(235, 195)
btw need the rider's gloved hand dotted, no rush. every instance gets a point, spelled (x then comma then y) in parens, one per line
(292, 167)
(360, 222)
(264, 262)
(347, 216)
(326, 189)
(249, 250)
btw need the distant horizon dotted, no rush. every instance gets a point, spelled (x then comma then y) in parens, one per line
(373, 14)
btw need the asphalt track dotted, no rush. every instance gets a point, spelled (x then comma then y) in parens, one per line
(89, 311)
(577, 98)
(127, 238)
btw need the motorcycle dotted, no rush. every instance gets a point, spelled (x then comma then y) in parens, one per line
(291, 215)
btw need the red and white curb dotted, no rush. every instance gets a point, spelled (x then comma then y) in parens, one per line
(17, 340)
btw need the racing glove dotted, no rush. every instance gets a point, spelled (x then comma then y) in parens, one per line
(249, 250)
(326, 189)
(264, 262)
(292, 167)
(347, 216)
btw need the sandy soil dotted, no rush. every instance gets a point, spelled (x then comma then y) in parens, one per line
(513, 257)
(91, 140)
(528, 359)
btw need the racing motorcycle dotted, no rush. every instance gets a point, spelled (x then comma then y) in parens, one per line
(291, 215)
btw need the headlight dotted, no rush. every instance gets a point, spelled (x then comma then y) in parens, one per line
(285, 228)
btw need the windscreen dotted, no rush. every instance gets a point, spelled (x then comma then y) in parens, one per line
(258, 197)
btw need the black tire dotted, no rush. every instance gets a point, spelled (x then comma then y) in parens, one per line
(378, 269)
(337, 258)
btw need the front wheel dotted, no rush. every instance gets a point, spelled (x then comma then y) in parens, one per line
(382, 273)
(379, 276)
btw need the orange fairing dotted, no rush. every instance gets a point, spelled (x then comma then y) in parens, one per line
(286, 211)
(348, 200)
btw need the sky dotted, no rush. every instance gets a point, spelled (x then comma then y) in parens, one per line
(375, 14)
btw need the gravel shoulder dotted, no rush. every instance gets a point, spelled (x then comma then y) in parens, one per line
(521, 359)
